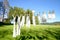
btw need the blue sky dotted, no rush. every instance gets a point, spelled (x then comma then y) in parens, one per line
(39, 6)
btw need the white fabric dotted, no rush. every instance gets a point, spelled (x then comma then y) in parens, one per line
(39, 19)
(33, 18)
(51, 16)
(14, 29)
(44, 18)
(18, 26)
(28, 21)
(23, 21)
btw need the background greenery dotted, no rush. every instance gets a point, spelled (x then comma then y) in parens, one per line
(38, 32)
(16, 11)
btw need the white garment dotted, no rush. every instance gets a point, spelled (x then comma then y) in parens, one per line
(23, 21)
(14, 29)
(28, 21)
(44, 15)
(44, 18)
(51, 16)
(18, 26)
(33, 19)
(39, 19)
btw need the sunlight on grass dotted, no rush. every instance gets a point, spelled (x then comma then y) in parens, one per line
(38, 32)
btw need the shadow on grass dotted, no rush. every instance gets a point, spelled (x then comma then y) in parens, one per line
(56, 34)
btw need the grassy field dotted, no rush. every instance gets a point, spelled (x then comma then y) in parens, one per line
(38, 32)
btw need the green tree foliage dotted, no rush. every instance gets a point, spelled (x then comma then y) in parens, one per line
(36, 18)
(14, 11)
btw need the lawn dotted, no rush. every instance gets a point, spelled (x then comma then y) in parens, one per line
(38, 32)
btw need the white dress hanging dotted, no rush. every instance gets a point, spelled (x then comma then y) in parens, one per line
(18, 26)
(33, 18)
(23, 21)
(51, 15)
(14, 29)
(39, 19)
(44, 18)
(28, 21)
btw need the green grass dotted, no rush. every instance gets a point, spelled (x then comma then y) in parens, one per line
(38, 32)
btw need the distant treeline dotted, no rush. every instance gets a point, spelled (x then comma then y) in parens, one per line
(54, 23)
(2, 23)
